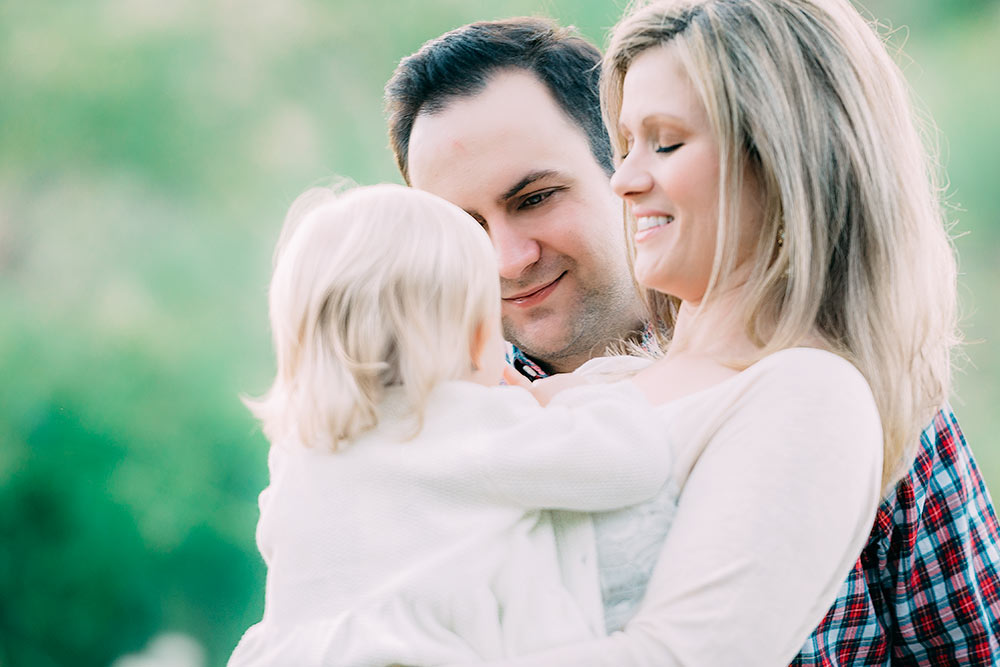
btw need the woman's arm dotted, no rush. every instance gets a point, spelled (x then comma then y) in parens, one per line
(771, 519)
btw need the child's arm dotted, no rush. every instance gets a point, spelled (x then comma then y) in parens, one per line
(594, 448)
(395, 631)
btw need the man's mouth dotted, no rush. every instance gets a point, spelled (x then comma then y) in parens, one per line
(535, 295)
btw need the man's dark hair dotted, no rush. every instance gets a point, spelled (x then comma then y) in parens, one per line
(460, 63)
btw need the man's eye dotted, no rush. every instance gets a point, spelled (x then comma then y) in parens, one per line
(536, 198)
(668, 149)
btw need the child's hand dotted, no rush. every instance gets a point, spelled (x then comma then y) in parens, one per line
(543, 390)
(515, 379)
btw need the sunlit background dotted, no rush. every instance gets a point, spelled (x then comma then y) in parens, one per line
(148, 151)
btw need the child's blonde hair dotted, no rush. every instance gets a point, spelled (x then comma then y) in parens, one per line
(379, 286)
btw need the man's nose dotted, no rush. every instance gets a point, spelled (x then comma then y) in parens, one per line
(515, 250)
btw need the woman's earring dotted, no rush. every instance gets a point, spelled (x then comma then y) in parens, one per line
(781, 243)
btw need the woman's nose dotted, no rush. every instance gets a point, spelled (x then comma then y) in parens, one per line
(630, 178)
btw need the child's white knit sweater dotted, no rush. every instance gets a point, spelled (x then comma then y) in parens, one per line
(435, 550)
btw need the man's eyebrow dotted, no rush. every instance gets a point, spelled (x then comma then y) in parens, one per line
(525, 182)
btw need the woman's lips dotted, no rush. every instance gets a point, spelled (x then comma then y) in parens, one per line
(530, 299)
(648, 225)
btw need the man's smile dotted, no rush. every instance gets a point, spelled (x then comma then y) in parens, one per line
(534, 295)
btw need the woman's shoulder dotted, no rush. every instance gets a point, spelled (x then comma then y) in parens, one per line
(814, 391)
(809, 369)
(800, 360)
(708, 381)
(788, 412)
(800, 389)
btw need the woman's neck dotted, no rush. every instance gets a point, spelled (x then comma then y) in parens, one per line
(714, 330)
(717, 330)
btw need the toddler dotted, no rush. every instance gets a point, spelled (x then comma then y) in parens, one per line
(404, 521)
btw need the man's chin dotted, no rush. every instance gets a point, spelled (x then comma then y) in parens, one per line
(537, 340)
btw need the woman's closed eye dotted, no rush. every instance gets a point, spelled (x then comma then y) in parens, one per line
(668, 149)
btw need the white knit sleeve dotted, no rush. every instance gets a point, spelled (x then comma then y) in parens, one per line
(593, 448)
(395, 632)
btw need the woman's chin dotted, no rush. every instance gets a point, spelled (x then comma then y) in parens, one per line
(652, 280)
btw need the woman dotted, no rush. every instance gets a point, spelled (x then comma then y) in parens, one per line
(784, 222)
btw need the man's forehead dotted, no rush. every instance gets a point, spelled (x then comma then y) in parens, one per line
(481, 147)
(495, 88)
(509, 107)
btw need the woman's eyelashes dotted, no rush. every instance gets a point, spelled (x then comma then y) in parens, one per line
(658, 147)
(668, 148)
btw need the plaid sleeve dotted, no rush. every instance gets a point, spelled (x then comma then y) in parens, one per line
(926, 589)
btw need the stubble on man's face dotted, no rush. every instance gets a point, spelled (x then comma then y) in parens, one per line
(558, 236)
(560, 338)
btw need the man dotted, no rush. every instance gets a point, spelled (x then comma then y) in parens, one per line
(526, 154)
(502, 118)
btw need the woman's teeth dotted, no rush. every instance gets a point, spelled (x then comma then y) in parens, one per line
(642, 224)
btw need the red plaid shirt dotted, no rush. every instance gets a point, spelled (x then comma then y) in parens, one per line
(926, 589)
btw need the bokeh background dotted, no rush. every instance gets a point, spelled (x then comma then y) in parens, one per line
(148, 151)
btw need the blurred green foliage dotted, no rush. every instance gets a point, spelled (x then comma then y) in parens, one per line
(147, 154)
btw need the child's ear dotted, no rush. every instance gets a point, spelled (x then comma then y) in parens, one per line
(477, 345)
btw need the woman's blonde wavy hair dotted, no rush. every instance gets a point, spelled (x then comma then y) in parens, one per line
(805, 94)
(376, 287)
